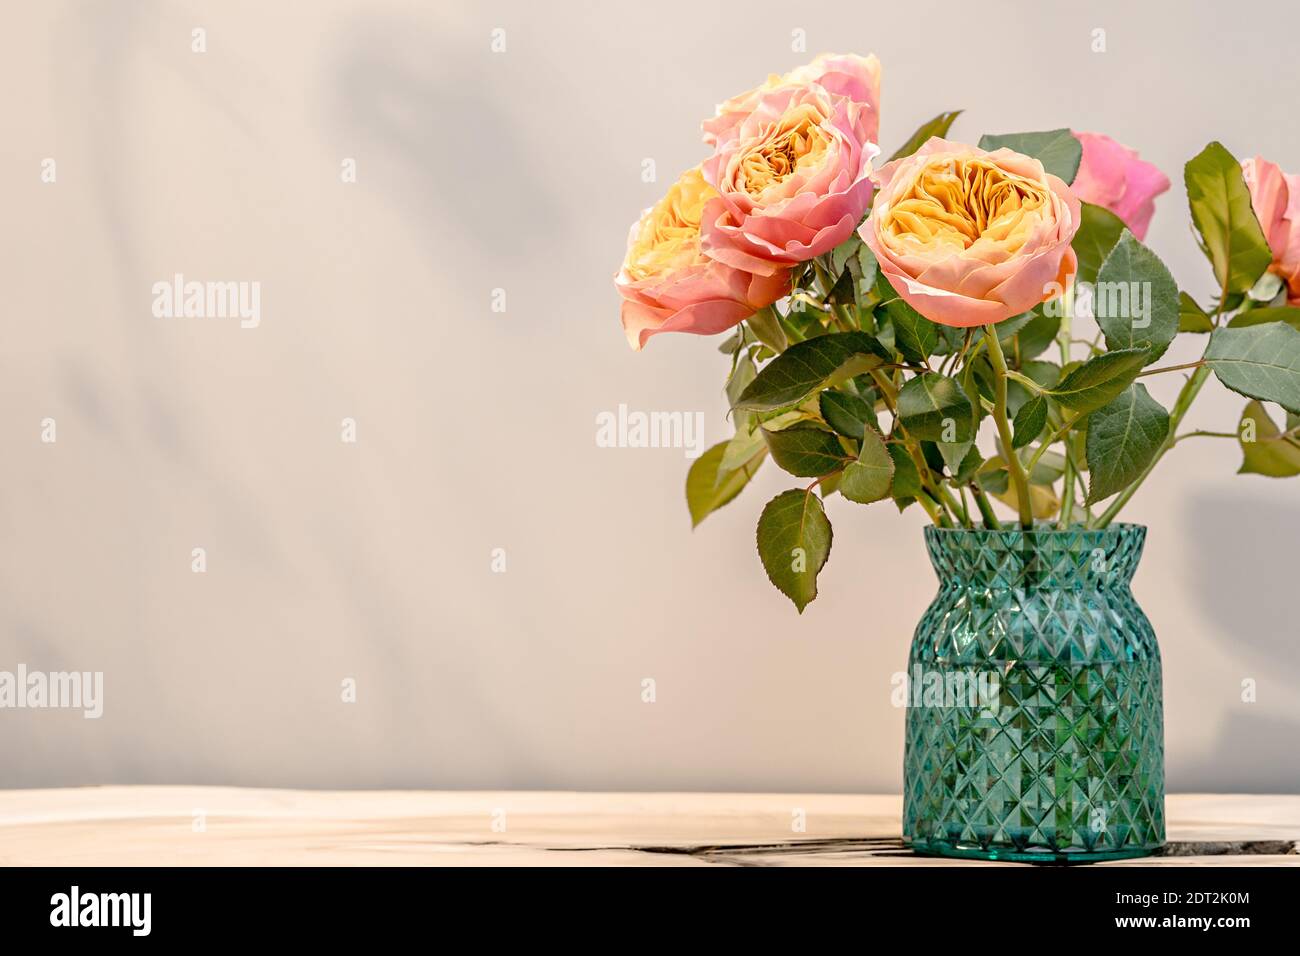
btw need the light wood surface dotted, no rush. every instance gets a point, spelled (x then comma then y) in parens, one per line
(130, 826)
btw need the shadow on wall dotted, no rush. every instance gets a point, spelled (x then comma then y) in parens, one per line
(1238, 546)
(437, 116)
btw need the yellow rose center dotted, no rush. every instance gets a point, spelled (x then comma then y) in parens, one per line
(797, 141)
(668, 236)
(955, 203)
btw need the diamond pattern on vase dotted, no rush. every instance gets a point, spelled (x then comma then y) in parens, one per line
(1061, 757)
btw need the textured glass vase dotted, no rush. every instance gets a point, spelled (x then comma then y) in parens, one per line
(1034, 721)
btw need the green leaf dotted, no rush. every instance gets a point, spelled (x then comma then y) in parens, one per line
(907, 480)
(1048, 468)
(766, 327)
(1029, 421)
(1099, 380)
(868, 479)
(969, 465)
(1268, 288)
(955, 454)
(993, 477)
(708, 489)
(935, 408)
(794, 541)
(914, 335)
(1223, 215)
(845, 251)
(1287, 314)
(743, 373)
(844, 291)
(855, 269)
(1045, 374)
(806, 366)
(802, 321)
(744, 445)
(1135, 300)
(806, 451)
(1191, 317)
(847, 414)
(1259, 361)
(938, 126)
(933, 457)
(1043, 502)
(1038, 333)
(1123, 437)
(867, 270)
(1008, 328)
(1056, 149)
(1099, 230)
(1271, 452)
(733, 342)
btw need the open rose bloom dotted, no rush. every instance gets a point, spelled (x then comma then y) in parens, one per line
(854, 77)
(971, 238)
(669, 285)
(1275, 196)
(793, 179)
(1113, 176)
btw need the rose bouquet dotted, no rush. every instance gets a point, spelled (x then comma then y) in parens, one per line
(912, 328)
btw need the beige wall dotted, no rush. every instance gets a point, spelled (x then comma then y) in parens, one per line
(371, 561)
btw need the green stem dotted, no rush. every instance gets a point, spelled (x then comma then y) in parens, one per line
(1201, 433)
(1172, 368)
(952, 504)
(1064, 331)
(928, 481)
(985, 507)
(1056, 436)
(1067, 493)
(841, 312)
(1027, 382)
(1017, 472)
(933, 510)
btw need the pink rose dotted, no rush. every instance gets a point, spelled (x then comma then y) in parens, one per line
(669, 285)
(793, 179)
(1111, 175)
(847, 74)
(1276, 198)
(968, 237)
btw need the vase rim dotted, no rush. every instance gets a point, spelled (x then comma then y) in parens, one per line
(1043, 530)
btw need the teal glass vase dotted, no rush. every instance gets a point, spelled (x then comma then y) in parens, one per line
(1035, 727)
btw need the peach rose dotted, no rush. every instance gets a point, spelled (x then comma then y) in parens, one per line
(1111, 175)
(793, 180)
(1276, 198)
(856, 77)
(968, 237)
(669, 285)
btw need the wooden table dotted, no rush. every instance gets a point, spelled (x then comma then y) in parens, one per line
(127, 826)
